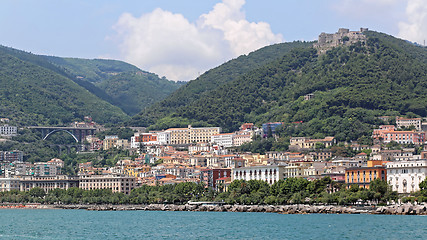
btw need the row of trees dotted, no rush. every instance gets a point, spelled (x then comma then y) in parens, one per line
(289, 191)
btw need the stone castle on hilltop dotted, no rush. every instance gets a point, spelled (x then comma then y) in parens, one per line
(343, 37)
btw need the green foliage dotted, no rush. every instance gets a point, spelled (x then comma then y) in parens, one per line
(393, 146)
(289, 191)
(116, 82)
(209, 81)
(135, 91)
(352, 86)
(35, 92)
(423, 188)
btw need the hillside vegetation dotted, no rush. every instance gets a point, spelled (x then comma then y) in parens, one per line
(209, 81)
(352, 85)
(33, 91)
(117, 82)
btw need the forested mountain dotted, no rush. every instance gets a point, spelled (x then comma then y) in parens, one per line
(210, 81)
(117, 82)
(352, 85)
(34, 91)
(92, 70)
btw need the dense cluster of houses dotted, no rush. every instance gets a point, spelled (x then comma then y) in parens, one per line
(206, 155)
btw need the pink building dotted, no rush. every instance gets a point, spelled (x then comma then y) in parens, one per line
(388, 133)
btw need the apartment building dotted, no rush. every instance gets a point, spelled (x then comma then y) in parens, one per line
(116, 182)
(406, 176)
(192, 135)
(7, 130)
(402, 122)
(269, 174)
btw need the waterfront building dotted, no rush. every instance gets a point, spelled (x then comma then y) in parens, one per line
(406, 176)
(115, 182)
(269, 174)
(8, 184)
(210, 176)
(363, 176)
(222, 184)
(48, 183)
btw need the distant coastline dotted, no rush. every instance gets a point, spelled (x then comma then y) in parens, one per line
(397, 209)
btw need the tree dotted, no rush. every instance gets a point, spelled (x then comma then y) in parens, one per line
(423, 187)
(37, 192)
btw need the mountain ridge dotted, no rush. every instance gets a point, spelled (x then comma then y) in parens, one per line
(352, 86)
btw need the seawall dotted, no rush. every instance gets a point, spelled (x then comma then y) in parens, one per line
(403, 209)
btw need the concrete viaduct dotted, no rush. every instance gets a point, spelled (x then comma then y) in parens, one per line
(79, 134)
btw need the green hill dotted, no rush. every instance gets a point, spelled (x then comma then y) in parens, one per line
(34, 91)
(117, 82)
(92, 70)
(352, 85)
(210, 81)
(134, 91)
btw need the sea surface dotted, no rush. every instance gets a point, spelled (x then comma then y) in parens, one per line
(82, 224)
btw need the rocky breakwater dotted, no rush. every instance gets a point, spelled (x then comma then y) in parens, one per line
(404, 209)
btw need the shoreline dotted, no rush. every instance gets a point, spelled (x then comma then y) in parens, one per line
(402, 209)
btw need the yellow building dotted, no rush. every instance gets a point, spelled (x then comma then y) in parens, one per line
(192, 135)
(109, 142)
(135, 171)
(117, 183)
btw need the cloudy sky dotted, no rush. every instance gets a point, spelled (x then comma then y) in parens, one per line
(180, 39)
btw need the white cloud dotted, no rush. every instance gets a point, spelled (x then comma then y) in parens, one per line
(170, 45)
(415, 27)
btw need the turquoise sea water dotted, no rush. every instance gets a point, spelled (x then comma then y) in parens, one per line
(82, 224)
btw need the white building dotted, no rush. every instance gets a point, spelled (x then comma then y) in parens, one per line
(8, 184)
(223, 140)
(408, 122)
(269, 174)
(199, 148)
(164, 138)
(7, 130)
(241, 138)
(406, 176)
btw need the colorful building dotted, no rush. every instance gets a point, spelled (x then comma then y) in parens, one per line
(209, 176)
(363, 176)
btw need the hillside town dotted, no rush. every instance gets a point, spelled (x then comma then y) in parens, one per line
(205, 155)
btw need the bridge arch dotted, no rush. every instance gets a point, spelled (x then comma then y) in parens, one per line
(64, 130)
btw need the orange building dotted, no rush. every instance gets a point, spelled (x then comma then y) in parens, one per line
(364, 175)
(146, 137)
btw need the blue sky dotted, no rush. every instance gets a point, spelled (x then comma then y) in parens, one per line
(181, 39)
